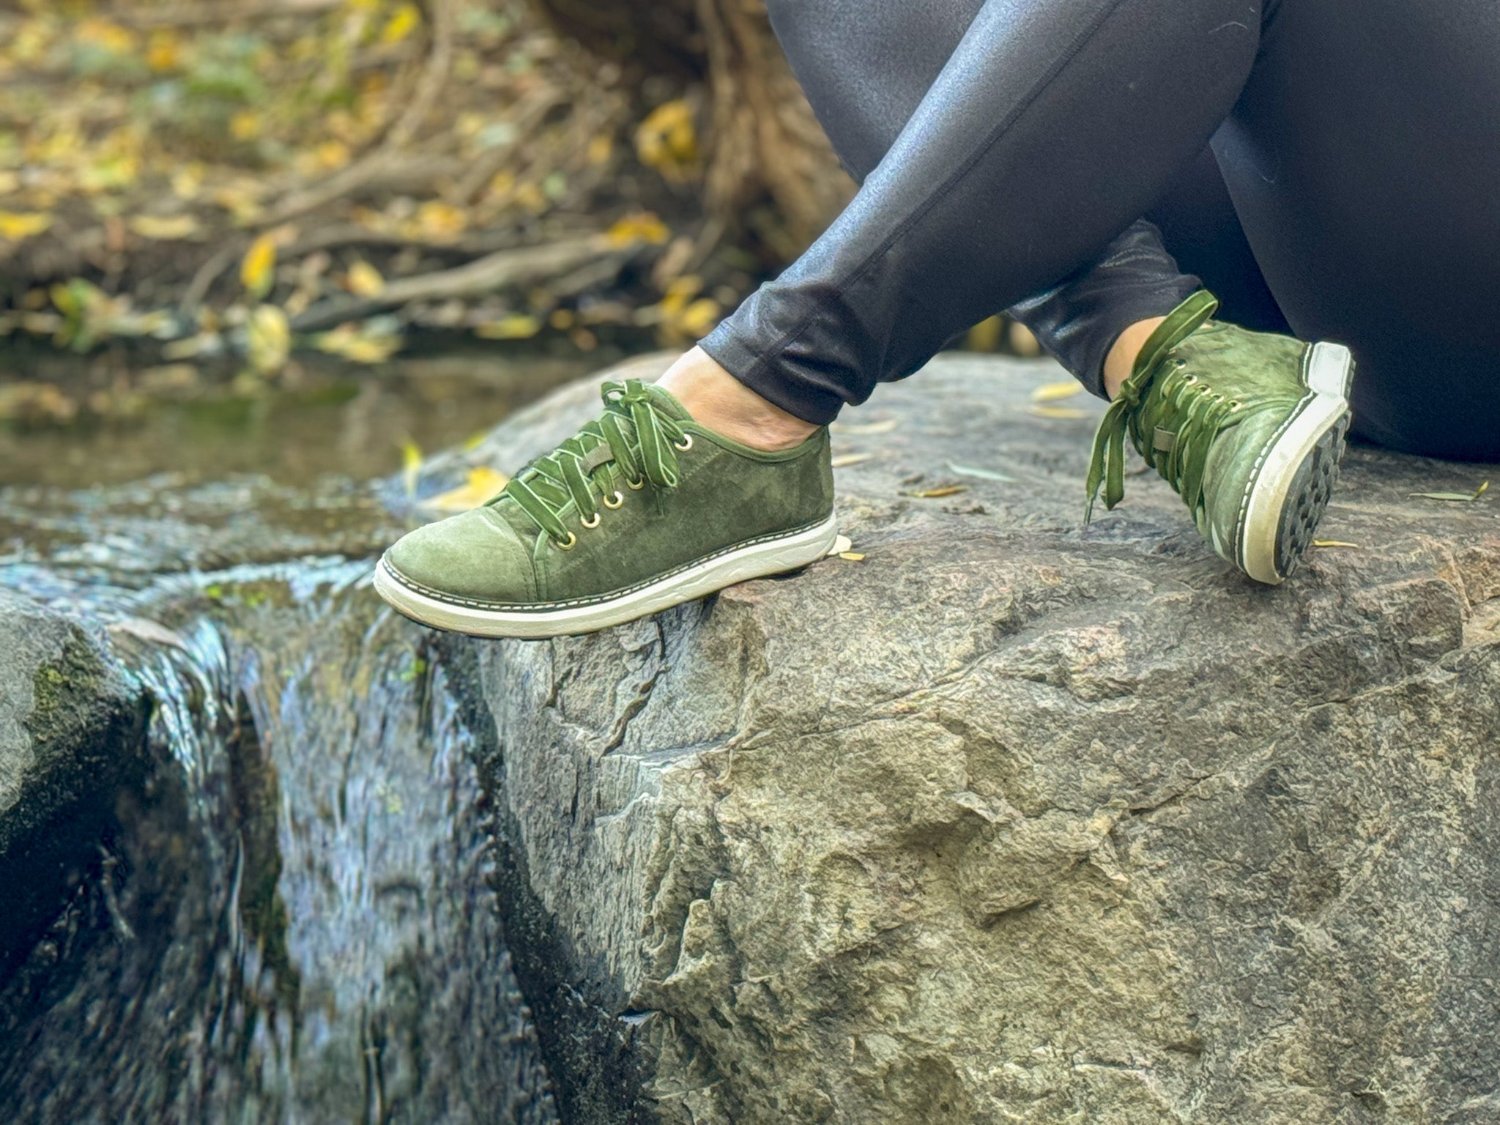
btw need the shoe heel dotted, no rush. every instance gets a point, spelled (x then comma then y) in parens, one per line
(1330, 370)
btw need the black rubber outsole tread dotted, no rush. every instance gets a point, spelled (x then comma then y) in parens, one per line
(1308, 498)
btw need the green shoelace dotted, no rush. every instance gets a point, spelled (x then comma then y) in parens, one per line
(631, 443)
(1173, 427)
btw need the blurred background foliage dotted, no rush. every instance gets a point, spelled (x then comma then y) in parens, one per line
(254, 181)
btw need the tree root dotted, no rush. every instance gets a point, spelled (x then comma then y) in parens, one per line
(473, 279)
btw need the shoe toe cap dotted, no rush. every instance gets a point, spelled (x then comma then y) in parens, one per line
(475, 556)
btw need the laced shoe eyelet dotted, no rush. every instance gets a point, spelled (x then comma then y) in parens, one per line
(685, 444)
(614, 499)
(596, 518)
(567, 544)
(638, 483)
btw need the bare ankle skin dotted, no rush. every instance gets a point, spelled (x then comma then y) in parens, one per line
(718, 400)
(1122, 356)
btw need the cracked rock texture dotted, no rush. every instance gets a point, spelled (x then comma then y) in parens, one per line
(71, 737)
(1015, 820)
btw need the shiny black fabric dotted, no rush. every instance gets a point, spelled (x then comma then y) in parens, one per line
(1010, 153)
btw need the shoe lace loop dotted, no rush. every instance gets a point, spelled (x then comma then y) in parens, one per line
(1183, 406)
(632, 442)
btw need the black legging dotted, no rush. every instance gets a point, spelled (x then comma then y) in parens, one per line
(1007, 148)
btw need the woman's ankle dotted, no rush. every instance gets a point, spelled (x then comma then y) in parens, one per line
(718, 400)
(1122, 355)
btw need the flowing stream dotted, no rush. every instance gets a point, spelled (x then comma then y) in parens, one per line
(295, 922)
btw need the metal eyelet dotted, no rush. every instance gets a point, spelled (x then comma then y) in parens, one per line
(568, 544)
(617, 497)
(638, 483)
(685, 444)
(585, 521)
(1180, 363)
(1190, 379)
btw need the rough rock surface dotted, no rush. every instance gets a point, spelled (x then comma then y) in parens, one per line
(1017, 820)
(71, 736)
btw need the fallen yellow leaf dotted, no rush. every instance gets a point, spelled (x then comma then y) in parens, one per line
(165, 51)
(359, 347)
(667, 139)
(364, 280)
(845, 459)
(18, 225)
(1053, 392)
(269, 339)
(411, 466)
(518, 326)
(698, 318)
(258, 270)
(439, 221)
(481, 487)
(1334, 543)
(404, 20)
(601, 148)
(1060, 412)
(852, 556)
(643, 226)
(163, 228)
(939, 493)
(245, 125)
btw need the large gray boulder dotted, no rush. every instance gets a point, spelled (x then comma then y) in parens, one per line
(1018, 820)
(71, 739)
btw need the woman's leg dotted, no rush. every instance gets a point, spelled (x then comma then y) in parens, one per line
(865, 69)
(1051, 127)
(1200, 229)
(1364, 162)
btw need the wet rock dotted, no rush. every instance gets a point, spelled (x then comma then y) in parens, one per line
(1016, 819)
(71, 737)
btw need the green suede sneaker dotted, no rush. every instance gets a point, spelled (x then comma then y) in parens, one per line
(1248, 427)
(642, 509)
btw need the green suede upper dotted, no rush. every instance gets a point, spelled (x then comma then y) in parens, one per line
(1203, 402)
(687, 504)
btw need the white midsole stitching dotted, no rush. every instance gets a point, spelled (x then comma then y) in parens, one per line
(713, 574)
(1328, 376)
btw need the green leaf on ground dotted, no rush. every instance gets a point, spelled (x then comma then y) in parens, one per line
(1453, 497)
(982, 474)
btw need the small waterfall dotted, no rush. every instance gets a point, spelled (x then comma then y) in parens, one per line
(295, 923)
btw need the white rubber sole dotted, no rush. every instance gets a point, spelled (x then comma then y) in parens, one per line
(754, 561)
(1282, 492)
